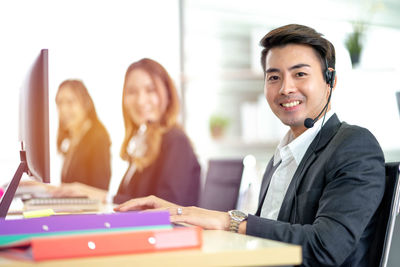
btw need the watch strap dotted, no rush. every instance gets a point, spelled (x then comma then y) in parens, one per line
(234, 225)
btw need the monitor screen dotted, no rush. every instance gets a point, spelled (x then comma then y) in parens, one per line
(398, 100)
(33, 129)
(34, 118)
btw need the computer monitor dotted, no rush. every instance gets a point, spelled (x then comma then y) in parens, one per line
(33, 129)
(398, 100)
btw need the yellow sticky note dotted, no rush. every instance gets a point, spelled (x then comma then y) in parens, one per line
(38, 213)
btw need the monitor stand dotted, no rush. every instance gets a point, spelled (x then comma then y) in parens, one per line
(12, 187)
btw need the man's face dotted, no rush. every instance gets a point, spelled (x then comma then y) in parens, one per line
(294, 85)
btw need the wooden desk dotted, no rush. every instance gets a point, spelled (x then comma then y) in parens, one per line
(220, 248)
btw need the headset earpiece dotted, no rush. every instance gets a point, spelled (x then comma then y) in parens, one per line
(329, 75)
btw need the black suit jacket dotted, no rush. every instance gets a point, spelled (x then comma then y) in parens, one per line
(90, 160)
(173, 176)
(330, 203)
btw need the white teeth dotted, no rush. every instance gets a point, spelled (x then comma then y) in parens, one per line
(291, 104)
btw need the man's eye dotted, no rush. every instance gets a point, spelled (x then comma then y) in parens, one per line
(273, 78)
(301, 74)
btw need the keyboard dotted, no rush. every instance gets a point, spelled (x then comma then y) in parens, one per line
(68, 204)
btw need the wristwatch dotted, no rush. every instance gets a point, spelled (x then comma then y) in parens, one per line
(237, 217)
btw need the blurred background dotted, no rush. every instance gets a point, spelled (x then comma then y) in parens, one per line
(211, 50)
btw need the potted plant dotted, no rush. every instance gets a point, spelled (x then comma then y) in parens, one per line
(218, 125)
(354, 43)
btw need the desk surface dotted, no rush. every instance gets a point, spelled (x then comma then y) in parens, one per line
(220, 248)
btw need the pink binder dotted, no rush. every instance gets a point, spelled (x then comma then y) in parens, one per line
(112, 243)
(116, 243)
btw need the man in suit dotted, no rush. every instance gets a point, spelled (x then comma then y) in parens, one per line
(326, 179)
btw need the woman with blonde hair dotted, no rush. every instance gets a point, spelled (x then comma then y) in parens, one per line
(82, 139)
(160, 155)
(84, 143)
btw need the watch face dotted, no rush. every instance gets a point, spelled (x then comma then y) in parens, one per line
(238, 214)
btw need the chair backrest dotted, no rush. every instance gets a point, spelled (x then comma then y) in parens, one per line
(222, 184)
(394, 255)
(386, 214)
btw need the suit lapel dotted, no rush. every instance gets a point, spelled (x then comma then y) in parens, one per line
(269, 171)
(327, 132)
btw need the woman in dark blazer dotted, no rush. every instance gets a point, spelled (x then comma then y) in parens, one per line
(161, 158)
(82, 139)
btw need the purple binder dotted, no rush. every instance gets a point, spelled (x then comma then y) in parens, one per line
(78, 222)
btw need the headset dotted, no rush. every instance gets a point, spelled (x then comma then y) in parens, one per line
(329, 76)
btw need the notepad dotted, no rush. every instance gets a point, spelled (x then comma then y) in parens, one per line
(70, 204)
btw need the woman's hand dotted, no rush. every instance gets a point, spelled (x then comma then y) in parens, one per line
(145, 203)
(207, 219)
(68, 190)
(33, 184)
(36, 189)
(79, 190)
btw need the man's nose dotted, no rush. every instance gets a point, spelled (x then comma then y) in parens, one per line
(288, 86)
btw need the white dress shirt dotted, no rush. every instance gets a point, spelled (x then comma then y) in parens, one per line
(290, 151)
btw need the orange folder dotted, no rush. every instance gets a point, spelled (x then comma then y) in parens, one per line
(86, 245)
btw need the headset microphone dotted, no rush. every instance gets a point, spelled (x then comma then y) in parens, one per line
(309, 123)
(330, 79)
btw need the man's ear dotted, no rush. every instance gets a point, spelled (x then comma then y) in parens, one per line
(334, 83)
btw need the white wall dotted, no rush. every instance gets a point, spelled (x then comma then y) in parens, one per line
(92, 40)
(366, 95)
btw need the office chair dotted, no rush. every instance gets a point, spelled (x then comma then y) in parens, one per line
(222, 184)
(386, 214)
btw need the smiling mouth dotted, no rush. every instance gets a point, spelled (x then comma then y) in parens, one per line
(291, 104)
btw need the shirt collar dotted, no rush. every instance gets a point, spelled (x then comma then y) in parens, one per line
(297, 147)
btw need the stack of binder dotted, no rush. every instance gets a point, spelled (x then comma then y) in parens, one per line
(84, 235)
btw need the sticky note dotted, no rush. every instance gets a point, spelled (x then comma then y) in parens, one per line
(38, 213)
